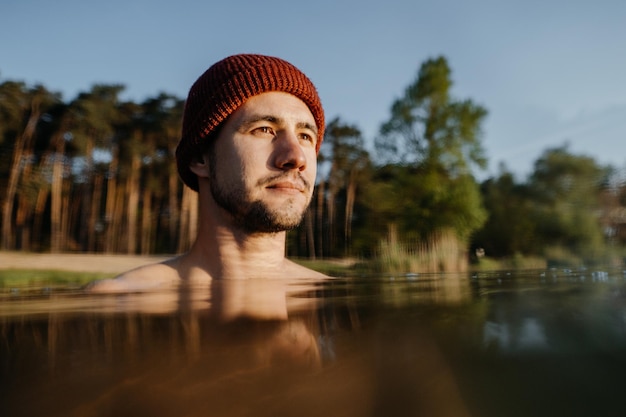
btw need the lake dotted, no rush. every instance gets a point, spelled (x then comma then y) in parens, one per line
(529, 343)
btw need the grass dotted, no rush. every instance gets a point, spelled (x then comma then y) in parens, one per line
(590, 256)
(515, 262)
(394, 257)
(555, 257)
(39, 278)
(333, 268)
(33, 278)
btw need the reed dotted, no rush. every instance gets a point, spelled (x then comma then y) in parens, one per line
(442, 251)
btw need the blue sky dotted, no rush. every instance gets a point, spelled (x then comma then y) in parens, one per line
(547, 71)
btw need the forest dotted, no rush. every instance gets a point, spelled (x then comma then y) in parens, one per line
(97, 174)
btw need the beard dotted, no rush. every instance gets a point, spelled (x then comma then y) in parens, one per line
(255, 216)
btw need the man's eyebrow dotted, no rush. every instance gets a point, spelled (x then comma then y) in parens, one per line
(255, 118)
(307, 125)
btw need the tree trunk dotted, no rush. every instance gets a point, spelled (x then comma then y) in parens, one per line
(310, 234)
(74, 222)
(85, 214)
(188, 219)
(193, 218)
(118, 220)
(330, 216)
(62, 237)
(56, 195)
(21, 144)
(184, 220)
(146, 221)
(133, 203)
(22, 226)
(174, 214)
(111, 198)
(320, 219)
(40, 207)
(350, 198)
(94, 214)
(23, 221)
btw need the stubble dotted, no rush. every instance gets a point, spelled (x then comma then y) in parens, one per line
(254, 216)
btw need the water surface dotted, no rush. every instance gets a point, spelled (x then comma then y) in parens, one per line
(533, 343)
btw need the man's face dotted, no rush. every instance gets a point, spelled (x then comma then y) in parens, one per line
(263, 164)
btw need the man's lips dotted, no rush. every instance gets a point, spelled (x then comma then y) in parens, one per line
(286, 183)
(287, 186)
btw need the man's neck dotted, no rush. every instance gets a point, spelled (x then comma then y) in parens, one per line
(227, 252)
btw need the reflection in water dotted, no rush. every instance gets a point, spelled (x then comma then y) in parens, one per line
(531, 335)
(191, 351)
(540, 344)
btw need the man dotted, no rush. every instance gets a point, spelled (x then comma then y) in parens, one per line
(252, 128)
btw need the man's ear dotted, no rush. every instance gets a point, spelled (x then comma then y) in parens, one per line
(200, 166)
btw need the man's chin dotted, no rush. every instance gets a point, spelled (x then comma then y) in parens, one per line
(262, 219)
(283, 223)
(268, 228)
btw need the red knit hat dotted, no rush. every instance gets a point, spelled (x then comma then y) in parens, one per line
(224, 87)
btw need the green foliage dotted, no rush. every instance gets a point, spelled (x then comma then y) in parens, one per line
(509, 228)
(17, 102)
(428, 127)
(420, 181)
(419, 203)
(566, 189)
(555, 214)
(14, 102)
(430, 144)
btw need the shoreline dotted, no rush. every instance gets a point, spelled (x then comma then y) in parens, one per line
(76, 262)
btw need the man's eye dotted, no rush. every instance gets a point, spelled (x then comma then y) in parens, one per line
(306, 137)
(264, 130)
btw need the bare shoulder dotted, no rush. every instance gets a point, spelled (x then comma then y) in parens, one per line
(144, 278)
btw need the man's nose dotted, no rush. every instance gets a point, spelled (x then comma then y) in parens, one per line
(288, 153)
